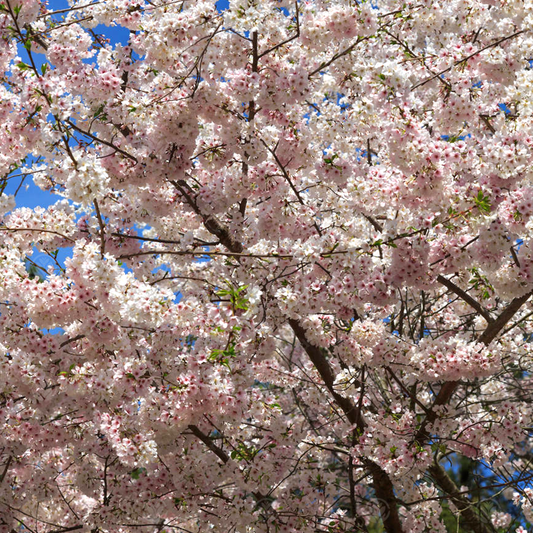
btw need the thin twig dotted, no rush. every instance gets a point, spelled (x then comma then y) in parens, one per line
(290, 38)
(102, 228)
(101, 141)
(496, 43)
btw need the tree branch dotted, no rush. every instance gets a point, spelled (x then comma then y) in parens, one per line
(493, 329)
(211, 223)
(490, 333)
(471, 519)
(465, 297)
(219, 452)
(496, 43)
(382, 484)
(101, 141)
(6, 468)
(286, 41)
(321, 364)
(337, 56)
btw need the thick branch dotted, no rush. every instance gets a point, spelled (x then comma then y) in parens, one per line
(465, 297)
(321, 364)
(65, 529)
(490, 333)
(381, 481)
(102, 228)
(469, 517)
(493, 330)
(219, 452)
(386, 498)
(443, 397)
(6, 468)
(211, 223)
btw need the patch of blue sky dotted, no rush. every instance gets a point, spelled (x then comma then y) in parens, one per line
(27, 193)
(504, 108)
(222, 5)
(343, 102)
(454, 138)
(53, 331)
(165, 272)
(115, 34)
(49, 262)
(203, 258)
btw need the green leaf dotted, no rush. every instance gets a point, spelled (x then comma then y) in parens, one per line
(23, 66)
(98, 111)
(137, 472)
(482, 202)
(330, 160)
(238, 300)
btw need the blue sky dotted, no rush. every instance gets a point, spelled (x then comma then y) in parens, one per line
(28, 194)
(21, 182)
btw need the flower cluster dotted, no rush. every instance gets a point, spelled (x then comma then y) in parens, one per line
(287, 282)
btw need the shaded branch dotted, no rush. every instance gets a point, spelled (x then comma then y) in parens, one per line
(472, 302)
(492, 330)
(381, 482)
(102, 228)
(319, 361)
(6, 468)
(219, 452)
(490, 333)
(211, 223)
(470, 518)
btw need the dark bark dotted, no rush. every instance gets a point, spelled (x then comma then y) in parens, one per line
(469, 517)
(382, 484)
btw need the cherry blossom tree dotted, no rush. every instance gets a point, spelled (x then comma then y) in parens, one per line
(297, 291)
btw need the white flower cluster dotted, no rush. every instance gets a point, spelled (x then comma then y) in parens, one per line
(87, 180)
(7, 203)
